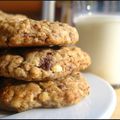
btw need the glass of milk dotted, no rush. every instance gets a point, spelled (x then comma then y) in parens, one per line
(98, 24)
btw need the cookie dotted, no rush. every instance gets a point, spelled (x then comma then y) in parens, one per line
(20, 31)
(20, 96)
(43, 64)
(13, 17)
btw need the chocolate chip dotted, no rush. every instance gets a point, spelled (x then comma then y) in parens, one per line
(46, 62)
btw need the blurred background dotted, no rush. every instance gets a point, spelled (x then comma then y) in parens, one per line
(33, 9)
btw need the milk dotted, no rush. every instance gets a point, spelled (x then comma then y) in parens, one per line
(100, 37)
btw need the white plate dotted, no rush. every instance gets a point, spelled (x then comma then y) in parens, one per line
(99, 104)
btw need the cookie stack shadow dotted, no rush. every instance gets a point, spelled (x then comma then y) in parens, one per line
(40, 64)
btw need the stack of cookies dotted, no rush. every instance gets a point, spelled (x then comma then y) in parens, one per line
(39, 64)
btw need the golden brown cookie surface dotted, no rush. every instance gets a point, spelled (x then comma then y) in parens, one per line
(20, 96)
(43, 64)
(20, 31)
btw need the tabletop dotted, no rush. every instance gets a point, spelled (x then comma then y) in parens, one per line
(116, 113)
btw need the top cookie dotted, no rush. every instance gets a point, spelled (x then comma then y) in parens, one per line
(19, 31)
(4, 16)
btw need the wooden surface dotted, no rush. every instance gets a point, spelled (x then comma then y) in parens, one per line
(116, 113)
(24, 5)
(20, 6)
(31, 8)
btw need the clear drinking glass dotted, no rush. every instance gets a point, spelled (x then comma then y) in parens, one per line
(98, 24)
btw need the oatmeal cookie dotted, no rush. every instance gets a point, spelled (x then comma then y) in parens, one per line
(20, 31)
(42, 64)
(20, 95)
(4, 16)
